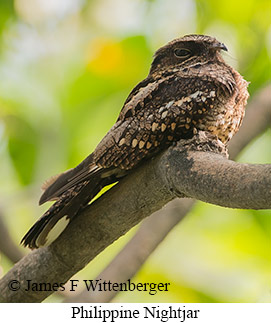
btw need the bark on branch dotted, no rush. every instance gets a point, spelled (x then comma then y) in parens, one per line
(7, 246)
(134, 254)
(192, 168)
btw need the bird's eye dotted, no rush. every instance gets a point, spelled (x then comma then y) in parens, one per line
(182, 52)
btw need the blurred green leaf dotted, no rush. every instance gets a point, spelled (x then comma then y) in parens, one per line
(23, 147)
(263, 219)
(6, 12)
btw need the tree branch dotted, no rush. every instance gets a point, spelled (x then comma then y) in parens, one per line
(182, 170)
(7, 246)
(130, 259)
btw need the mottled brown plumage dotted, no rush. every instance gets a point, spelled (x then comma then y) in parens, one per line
(189, 88)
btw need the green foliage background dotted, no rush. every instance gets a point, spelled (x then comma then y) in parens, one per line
(66, 68)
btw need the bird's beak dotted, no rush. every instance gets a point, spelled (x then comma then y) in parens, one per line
(220, 46)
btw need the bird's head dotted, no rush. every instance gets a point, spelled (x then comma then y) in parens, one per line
(187, 51)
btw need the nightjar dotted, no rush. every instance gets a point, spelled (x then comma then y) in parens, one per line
(189, 88)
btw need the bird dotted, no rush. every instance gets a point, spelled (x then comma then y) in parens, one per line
(189, 88)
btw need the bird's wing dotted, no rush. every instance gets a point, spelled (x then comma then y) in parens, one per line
(156, 113)
(52, 223)
(159, 113)
(140, 95)
(57, 185)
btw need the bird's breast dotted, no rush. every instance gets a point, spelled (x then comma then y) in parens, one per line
(225, 119)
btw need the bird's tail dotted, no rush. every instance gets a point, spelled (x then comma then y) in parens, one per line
(52, 223)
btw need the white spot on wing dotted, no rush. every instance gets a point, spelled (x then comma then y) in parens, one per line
(195, 94)
(212, 94)
(169, 104)
(56, 230)
(164, 114)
